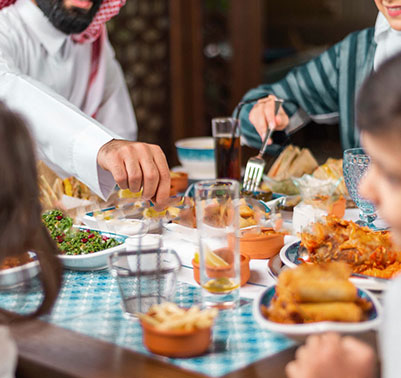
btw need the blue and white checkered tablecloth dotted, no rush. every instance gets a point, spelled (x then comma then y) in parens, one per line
(89, 303)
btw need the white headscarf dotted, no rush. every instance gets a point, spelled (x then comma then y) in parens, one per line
(388, 41)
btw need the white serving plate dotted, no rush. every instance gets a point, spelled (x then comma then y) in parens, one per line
(299, 332)
(126, 226)
(16, 276)
(96, 260)
(288, 254)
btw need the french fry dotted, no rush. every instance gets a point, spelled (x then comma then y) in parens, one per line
(169, 316)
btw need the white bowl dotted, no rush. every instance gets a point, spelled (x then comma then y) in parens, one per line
(196, 155)
(16, 276)
(96, 260)
(299, 332)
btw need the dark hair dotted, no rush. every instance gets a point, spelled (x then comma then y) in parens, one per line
(21, 226)
(378, 107)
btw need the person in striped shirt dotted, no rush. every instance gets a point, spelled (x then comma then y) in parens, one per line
(378, 116)
(323, 89)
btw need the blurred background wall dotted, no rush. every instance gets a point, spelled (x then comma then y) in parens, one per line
(187, 61)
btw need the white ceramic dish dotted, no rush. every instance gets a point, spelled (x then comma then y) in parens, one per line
(289, 256)
(196, 155)
(125, 226)
(96, 260)
(16, 276)
(299, 332)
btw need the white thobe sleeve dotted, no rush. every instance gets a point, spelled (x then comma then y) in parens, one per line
(390, 332)
(116, 110)
(67, 139)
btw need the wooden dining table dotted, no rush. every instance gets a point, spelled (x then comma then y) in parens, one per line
(46, 350)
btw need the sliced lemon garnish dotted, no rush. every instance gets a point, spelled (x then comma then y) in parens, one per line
(126, 193)
(212, 260)
(67, 187)
(150, 212)
(220, 285)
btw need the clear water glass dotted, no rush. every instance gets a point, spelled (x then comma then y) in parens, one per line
(355, 165)
(217, 219)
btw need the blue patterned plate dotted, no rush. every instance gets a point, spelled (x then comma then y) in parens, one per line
(96, 260)
(290, 256)
(300, 331)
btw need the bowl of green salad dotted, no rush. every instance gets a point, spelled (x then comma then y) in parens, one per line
(81, 248)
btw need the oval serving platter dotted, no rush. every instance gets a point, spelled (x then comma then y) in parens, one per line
(290, 255)
(96, 260)
(299, 332)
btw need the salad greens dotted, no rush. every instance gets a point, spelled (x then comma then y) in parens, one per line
(71, 241)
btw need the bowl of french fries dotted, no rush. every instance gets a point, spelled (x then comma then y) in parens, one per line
(172, 331)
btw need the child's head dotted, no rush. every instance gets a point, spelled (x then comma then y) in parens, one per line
(21, 228)
(392, 11)
(379, 120)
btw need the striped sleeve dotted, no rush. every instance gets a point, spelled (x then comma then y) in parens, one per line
(310, 90)
(312, 87)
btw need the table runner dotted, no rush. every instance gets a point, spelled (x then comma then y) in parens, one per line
(89, 303)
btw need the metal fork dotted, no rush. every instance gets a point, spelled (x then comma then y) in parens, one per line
(256, 164)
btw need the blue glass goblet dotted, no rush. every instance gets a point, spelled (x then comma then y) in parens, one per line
(355, 165)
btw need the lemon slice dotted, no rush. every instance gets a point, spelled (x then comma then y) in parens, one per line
(220, 285)
(126, 193)
(150, 212)
(212, 260)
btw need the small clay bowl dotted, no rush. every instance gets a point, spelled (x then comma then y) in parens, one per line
(217, 272)
(176, 343)
(179, 182)
(261, 246)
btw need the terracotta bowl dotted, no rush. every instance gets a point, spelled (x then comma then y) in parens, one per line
(337, 208)
(224, 271)
(176, 343)
(179, 182)
(261, 246)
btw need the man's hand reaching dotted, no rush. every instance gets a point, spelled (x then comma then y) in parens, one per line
(135, 165)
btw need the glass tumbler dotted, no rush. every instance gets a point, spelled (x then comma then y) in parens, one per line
(217, 219)
(144, 277)
(227, 147)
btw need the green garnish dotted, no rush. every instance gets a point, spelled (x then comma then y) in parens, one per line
(72, 241)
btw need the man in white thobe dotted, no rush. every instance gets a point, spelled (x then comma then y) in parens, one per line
(58, 69)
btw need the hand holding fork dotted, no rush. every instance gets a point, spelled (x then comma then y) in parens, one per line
(255, 165)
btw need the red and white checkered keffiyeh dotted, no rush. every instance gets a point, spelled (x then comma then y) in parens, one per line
(107, 10)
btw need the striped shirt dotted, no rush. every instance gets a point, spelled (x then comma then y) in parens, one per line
(323, 90)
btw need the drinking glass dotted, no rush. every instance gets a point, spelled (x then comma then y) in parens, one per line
(355, 164)
(227, 148)
(217, 219)
(145, 276)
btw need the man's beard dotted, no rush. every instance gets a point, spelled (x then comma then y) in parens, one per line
(69, 21)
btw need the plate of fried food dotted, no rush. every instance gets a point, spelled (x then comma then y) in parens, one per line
(373, 258)
(17, 270)
(81, 248)
(313, 299)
